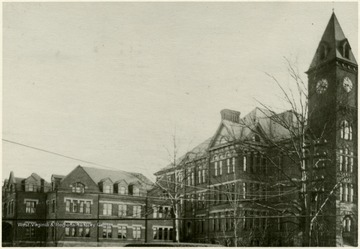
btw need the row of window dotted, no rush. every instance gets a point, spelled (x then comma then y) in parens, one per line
(346, 160)
(252, 162)
(108, 231)
(76, 230)
(227, 193)
(30, 207)
(346, 131)
(161, 211)
(9, 208)
(107, 188)
(201, 176)
(78, 206)
(225, 221)
(122, 210)
(346, 191)
(163, 233)
(30, 187)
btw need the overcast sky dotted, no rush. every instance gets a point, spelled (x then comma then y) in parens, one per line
(109, 82)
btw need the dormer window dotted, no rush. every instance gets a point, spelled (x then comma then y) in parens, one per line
(78, 188)
(122, 190)
(108, 189)
(345, 49)
(322, 51)
(30, 187)
(136, 191)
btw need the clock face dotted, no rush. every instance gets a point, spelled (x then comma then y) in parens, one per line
(347, 84)
(321, 86)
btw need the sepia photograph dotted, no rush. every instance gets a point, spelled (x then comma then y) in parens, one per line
(180, 124)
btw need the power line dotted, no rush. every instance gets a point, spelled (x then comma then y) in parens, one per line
(61, 155)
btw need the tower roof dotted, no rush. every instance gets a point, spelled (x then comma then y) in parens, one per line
(333, 45)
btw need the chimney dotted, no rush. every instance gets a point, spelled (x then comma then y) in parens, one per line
(233, 116)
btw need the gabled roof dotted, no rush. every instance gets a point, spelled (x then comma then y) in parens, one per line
(196, 153)
(115, 175)
(333, 38)
(258, 121)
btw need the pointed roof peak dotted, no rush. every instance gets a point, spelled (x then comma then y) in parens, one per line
(333, 44)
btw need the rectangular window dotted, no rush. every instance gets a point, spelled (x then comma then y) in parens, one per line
(53, 232)
(244, 162)
(81, 207)
(137, 211)
(171, 232)
(108, 189)
(67, 207)
(341, 160)
(228, 165)
(87, 207)
(75, 207)
(53, 206)
(220, 168)
(341, 193)
(87, 231)
(199, 175)
(351, 193)
(351, 162)
(216, 168)
(122, 210)
(30, 231)
(107, 231)
(244, 190)
(107, 209)
(30, 187)
(155, 211)
(30, 207)
(136, 232)
(80, 232)
(345, 192)
(122, 232)
(67, 229)
(346, 164)
(203, 175)
(233, 164)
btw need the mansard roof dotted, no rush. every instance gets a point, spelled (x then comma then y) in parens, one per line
(332, 42)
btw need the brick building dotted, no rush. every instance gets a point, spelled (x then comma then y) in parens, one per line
(279, 178)
(87, 207)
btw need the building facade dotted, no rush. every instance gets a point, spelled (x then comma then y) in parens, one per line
(279, 179)
(87, 207)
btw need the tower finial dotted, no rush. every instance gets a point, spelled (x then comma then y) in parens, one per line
(333, 7)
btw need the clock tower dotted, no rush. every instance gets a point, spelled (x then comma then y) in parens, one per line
(332, 116)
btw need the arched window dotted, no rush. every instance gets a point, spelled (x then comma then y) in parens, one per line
(345, 130)
(78, 187)
(347, 224)
(346, 50)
